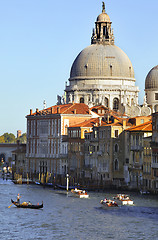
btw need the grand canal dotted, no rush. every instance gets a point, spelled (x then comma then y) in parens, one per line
(66, 217)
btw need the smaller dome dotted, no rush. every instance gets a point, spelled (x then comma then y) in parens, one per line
(103, 17)
(151, 80)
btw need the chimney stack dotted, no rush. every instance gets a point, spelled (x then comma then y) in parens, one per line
(58, 109)
(30, 111)
(124, 123)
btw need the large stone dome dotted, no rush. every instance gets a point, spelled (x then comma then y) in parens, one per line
(102, 61)
(151, 81)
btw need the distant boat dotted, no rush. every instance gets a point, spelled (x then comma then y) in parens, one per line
(80, 193)
(108, 203)
(27, 205)
(125, 200)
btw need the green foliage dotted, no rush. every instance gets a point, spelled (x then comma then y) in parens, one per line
(22, 138)
(10, 138)
(2, 139)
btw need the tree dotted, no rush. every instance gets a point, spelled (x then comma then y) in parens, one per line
(22, 138)
(9, 137)
(2, 139)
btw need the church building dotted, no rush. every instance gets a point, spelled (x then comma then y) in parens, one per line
(102, 73)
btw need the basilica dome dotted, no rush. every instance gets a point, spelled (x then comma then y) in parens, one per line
(101, 61)
(151, 81)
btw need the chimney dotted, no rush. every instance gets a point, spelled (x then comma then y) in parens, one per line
(124, 123)
(108, 118)
(75, 111)
(30, 111)
(100, 118)
(37, 110)
(58, 109)
(51, 110)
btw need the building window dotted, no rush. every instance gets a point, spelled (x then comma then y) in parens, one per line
(156, 96)
(106, 102)
(116, 148)
(116, 165)
(116, 133)
(81, 100)
(115, 104)
(142, 121)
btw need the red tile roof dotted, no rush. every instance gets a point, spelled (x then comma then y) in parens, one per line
(76, 108)
(145, 127)
(88, 123)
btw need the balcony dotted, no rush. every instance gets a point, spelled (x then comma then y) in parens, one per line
(154, 144)
(154, 165)
(137, 148)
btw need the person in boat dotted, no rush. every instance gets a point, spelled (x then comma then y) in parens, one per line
(18, 198)
(29, 203)
(105, 200)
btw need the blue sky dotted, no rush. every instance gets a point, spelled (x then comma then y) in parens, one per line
(39, 40)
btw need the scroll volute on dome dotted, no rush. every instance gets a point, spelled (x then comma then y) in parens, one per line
(102, 34)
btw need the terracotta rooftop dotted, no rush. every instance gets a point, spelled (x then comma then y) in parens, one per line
(76, 108)
(89, 123)
(145, 127)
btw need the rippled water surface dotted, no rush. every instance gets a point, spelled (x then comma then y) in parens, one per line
(66, 217)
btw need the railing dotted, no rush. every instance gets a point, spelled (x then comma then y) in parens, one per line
(137, 148)
(154, 165)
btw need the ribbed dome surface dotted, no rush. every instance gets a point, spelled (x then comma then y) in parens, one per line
(99, 60)
(103, 17)
(152, 78)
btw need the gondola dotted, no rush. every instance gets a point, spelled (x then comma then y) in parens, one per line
(27, 205)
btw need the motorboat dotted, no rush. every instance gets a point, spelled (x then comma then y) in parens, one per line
(125, 200)
(80, 193)
(108, 203)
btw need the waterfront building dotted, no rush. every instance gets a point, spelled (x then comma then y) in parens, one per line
(136, 150)
(104, 152)
(154, 146)
(147, 161)
(76, 149)
(47, 142)
(19, 165)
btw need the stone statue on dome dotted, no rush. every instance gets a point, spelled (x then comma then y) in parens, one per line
(103, 7)
(145, 101)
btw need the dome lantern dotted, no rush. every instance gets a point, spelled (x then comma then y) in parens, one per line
(102, 33)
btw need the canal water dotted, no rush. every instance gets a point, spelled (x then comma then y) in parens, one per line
(66, 217)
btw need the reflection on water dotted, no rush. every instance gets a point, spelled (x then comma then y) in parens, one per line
(67, 217)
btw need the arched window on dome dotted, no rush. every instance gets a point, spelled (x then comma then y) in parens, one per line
(115, 104)
(130, 71)
(82, 100)
(110, 70)
(106, 102)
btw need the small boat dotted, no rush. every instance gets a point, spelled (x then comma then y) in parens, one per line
(125, 200)
(80, 193)
(27, 205)
(108, 203)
